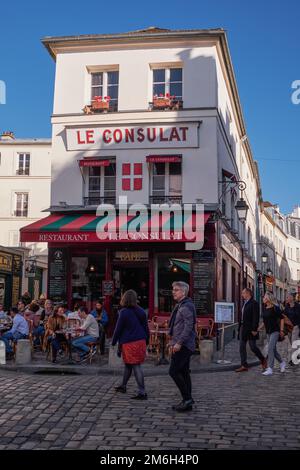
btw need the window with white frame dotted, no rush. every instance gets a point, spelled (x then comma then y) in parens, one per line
(101, 184)
(106, 84)
(297, 255)
(23, 167)
(167, 80)
(166, 181)
(21, 204)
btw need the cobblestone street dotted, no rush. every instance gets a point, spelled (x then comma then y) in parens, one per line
(232, 411)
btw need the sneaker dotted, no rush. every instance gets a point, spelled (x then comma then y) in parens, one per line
(269, 371)
(282, 366)
(93, 352)
(291, 363)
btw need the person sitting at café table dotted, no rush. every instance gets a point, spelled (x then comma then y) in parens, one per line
(91, 329)
(47, 311)
(55, 323)
(102, 318)
(34, 312)
(21, 307)
(19, 330)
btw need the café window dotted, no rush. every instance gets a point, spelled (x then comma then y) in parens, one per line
(23, 164)
(21, 205)
(166, 182)
(167, 80)
(88, 272)
(106, 84)
(170, 269)
(101, 184)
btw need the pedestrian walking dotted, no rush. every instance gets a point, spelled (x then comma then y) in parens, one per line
(132, 335)
(248, 330)
(292, 312)
(273, 322)
(182, 343)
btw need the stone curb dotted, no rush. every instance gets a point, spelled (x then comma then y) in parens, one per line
(104, 370)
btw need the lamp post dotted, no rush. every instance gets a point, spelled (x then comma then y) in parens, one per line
(242, 210)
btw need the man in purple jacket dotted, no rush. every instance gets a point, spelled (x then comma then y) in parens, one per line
(182, 332)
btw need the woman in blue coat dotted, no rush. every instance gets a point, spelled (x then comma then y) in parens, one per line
(132, 334)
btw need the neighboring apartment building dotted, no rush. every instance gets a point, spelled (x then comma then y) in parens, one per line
(193, 149)
(280, 236)
(25, 175)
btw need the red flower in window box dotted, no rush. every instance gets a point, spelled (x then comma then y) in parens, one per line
(100, 103)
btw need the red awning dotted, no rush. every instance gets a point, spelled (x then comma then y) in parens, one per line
(90, 228)
(93, 162)
(163, 158)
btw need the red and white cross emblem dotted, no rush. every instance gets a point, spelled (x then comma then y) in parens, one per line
(130, 182)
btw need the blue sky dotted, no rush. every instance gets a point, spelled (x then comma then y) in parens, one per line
(265, 48)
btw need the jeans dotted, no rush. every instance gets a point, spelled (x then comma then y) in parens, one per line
(180, 372)
(37, 333)
(293, 336)
(80, 343)
(272, 351)
(254, 349)
(56, 343)
(138, 374)
(9, 336)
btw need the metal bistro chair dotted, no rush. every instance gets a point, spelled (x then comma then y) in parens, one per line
(154, 342)
(204, 328)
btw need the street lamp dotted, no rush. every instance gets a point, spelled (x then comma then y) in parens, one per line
(264, 257)
(242, 209)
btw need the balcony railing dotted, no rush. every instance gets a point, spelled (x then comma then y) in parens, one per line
(165, 199)
(22, 172)
(20, 213)
(95, 201)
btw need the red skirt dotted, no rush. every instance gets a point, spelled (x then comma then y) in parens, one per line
(134, 352)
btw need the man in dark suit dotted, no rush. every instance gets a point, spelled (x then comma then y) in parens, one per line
(248, 330)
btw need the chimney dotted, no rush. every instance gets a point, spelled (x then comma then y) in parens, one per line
(7, 135)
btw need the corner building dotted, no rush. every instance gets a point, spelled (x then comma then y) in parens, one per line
(184, 149)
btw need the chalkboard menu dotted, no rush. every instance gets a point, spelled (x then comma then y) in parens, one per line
(57, 274)
(204, 279)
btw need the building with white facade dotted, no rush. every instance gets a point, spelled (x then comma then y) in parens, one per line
(153, 115)
(25, 175)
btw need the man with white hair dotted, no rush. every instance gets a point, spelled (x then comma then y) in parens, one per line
(183, 335)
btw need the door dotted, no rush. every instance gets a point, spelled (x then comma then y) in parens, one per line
(131, 277)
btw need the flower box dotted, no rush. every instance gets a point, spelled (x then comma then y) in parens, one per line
(161, 102)
(100, 104)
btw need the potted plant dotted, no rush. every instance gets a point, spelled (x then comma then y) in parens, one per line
(99, 102)
(162, 101)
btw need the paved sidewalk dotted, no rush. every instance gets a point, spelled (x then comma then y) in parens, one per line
(231, 411)
(100, 367)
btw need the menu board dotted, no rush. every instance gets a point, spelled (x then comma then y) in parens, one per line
(17, 265)
(204, 279)
(15, 290)
(107, 287)
(57, 274)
